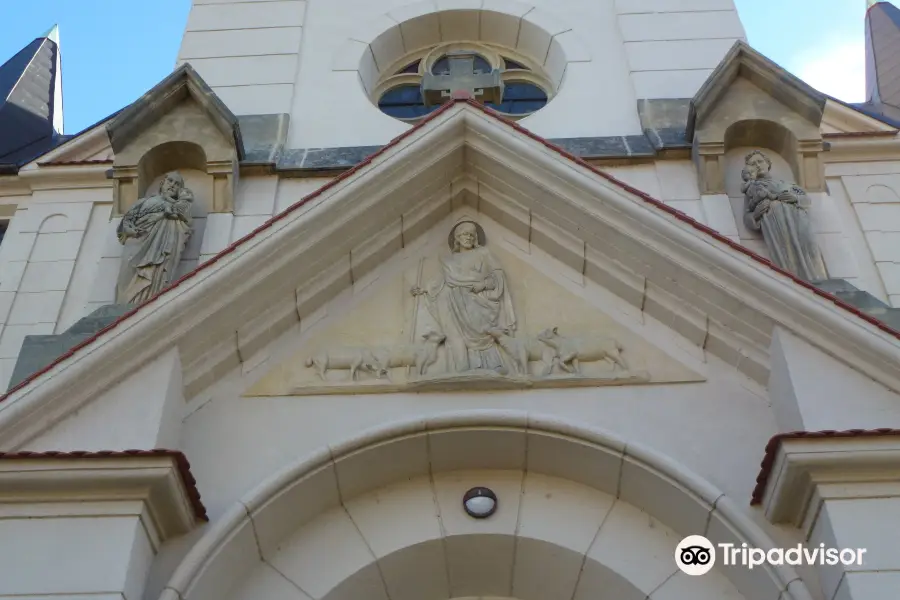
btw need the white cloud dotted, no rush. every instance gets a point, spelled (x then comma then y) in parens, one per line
(837, 69)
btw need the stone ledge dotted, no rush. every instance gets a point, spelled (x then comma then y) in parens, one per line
(862, 300)
(159, 479)
(38, 351)
(663, 122)
(800, 469)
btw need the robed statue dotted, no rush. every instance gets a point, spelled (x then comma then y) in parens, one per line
(780, 210)
(470, 299)
(161, 223)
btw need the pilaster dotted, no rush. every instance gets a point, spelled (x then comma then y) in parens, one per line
(709, 158)
(843, 491)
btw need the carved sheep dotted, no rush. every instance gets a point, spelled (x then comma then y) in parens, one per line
(525, 349)
(420, 355)
(355, 359)
(573, 350)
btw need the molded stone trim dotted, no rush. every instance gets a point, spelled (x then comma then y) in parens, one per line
(161, 479)
(257, 273)
(742, 59)
(361, 464)
(379, 46)
(146, 110)
(795, 462)
(788, 124)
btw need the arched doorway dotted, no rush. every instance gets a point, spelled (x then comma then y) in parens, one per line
(381, 517)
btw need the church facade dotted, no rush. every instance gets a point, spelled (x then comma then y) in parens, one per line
(453, 299)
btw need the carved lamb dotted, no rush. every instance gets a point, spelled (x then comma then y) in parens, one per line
(572, 350)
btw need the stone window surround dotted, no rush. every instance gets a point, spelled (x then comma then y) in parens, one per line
(493, 53)
(378, 49)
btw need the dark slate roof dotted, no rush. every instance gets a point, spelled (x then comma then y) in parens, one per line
(883, 59)
(30, 102)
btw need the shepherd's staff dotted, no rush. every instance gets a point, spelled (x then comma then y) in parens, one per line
(415, 318)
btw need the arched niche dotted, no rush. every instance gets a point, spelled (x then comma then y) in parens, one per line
(768, 136)
(749, 100)
(166, 157)
(178, 125)
(380, 516)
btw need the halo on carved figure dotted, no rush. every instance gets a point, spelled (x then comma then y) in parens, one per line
(479, 232)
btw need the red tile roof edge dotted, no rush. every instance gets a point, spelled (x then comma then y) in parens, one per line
(181, 463)
(350, 172)
(64, 163)
(765, 469)
(855, 134)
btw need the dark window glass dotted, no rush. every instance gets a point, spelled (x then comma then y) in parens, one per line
(3, 226)
(442, 66)
(520, 98)
(404, 102)
(511, 64)
(410, 68)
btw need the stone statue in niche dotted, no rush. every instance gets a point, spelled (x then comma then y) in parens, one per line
(470, 299)
(161, 225)
(780, 210)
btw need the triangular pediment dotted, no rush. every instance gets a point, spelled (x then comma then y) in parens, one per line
(742, 61)
(716, 297)
(184, 83)
(544, 329)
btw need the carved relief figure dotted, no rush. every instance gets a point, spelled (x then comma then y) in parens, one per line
(469, 299)
(574, 350)
(420, 355)
(524, 350)
(162, 223)
(354, 359)
(781, 211)
(377, 361)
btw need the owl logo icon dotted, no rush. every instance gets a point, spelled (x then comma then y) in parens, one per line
(695, 555)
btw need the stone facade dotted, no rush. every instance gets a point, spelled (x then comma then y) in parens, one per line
(371, 317)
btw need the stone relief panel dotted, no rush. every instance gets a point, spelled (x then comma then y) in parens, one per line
(475, 316)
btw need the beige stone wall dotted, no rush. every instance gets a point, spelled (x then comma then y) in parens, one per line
(312, 58)
(51, 239)
(872, 191)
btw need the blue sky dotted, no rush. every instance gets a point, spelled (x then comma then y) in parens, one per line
(115, 50)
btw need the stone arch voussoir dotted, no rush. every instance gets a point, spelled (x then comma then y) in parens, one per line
(378, 45)
(317, 491)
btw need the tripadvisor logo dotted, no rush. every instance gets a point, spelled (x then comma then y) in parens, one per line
(696, 555)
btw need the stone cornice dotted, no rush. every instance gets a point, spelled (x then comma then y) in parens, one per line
(800, 467)
(66, 176)
(159, 479)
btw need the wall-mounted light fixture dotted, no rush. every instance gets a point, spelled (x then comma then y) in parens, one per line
(480, 503)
